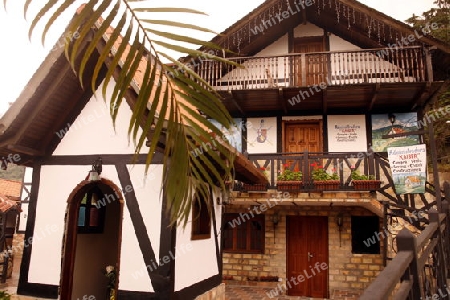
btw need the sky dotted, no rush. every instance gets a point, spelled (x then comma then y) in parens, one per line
(21, 56)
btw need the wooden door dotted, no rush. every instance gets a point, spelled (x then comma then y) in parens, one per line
(307, 256)
(300, 137)
(314, 66)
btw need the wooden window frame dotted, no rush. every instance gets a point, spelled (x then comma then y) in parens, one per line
(229, 217)
(201, 218)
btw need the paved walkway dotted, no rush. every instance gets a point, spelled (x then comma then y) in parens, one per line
(236, 292)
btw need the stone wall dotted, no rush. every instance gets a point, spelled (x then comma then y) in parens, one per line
(348, 273)
(217, 293)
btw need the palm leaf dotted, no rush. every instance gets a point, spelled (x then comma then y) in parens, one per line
(178, 24)
(169, 99)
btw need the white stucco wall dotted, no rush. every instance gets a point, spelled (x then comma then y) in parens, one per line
(54, 190)
(26, 189)
(307, 29)
(94, 126)
(196, 259)
(53, 193)
(133, 272)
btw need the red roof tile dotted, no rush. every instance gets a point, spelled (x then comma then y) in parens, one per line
(10, 188)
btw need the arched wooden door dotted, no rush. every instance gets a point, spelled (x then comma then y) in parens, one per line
(92, 239)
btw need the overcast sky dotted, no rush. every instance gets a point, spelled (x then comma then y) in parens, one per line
(20, 57)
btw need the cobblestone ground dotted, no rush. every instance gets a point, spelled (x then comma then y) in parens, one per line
(236, 292)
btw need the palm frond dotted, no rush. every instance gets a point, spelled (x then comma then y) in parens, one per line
(170, 99)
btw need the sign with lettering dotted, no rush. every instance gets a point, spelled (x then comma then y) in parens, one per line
(408, 168)
(347, 133)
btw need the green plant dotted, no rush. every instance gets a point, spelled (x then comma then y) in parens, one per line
(319, 173)
(357, 176)
(289, 175)
(4, 295)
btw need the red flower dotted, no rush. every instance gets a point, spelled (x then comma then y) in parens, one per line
(263, 169)
(313, 164)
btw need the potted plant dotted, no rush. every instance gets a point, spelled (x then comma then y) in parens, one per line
(258, 187)
(323, 180)
(289, 180)
(362, 182)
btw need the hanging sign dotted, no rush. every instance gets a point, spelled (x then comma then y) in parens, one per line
(408, 168)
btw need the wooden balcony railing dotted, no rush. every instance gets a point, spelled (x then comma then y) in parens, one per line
(420, 268)
(407, 64)
(368, 163)
(340, 163)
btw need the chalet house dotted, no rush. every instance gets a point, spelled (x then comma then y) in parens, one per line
(91, 207)
(412, 181)
(319, 82)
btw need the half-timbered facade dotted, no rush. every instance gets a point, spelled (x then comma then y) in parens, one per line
(323, 85)
(91, 209)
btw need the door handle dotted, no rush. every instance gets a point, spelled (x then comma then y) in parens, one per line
(310, 256)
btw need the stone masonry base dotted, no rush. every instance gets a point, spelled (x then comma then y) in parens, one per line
(217, 293)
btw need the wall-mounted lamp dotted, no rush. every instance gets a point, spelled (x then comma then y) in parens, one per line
(340, 224)
(94, 173)
(392, 118)
(276, 218)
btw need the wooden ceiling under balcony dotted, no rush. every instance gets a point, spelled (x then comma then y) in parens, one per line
(342, 99)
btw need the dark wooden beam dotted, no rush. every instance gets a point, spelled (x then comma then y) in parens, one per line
(233, 97)
(282, 101)
(422, 96)
(26, 150)
(376, 90)
(324, 101)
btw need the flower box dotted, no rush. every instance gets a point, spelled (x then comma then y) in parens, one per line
(259, 187)
(326, 185)
(366, 185)
(292, 185)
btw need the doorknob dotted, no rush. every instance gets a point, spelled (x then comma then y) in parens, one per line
(310, 256)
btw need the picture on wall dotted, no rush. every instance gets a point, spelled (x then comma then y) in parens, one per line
(262, 135)
(347, 133)
(234, 134)
(382, 125)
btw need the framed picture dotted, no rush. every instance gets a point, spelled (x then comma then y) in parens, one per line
(382, 125)
(347, 133)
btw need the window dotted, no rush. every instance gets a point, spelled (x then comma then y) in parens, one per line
(201, 218)
(90, 217)
(366, 235)
(243, 234)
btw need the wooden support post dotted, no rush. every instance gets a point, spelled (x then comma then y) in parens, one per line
(406, 241)
(433, 154)
(428, 64)
(385, 226)
(440, 262)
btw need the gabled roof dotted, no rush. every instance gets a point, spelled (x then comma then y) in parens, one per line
(348, 19)
(53, 98)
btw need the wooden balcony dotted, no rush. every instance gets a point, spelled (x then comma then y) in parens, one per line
(333, 82)
(368, 163)
(407, 64)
